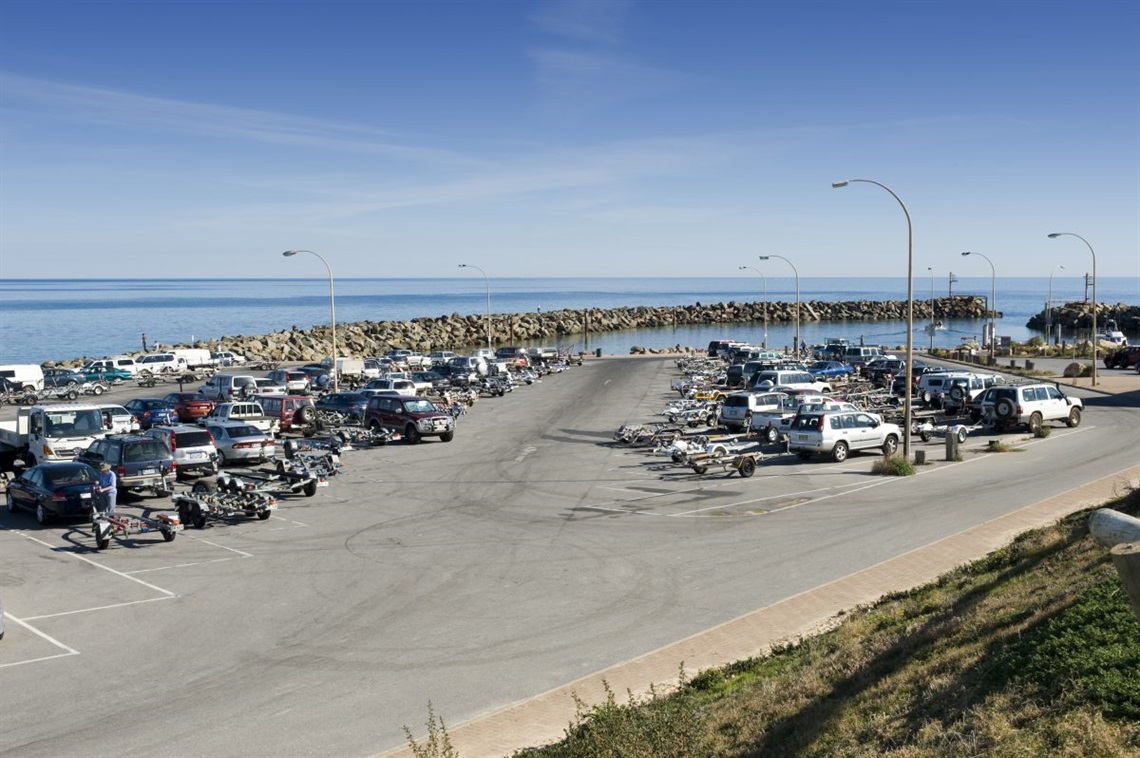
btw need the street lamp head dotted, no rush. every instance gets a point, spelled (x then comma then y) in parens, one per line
(765, 257)
(463, 265)
(742, 267)
(1055, 235)
(966, 253)
(837, 185)
(289, 253)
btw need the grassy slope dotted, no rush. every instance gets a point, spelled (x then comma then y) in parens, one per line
(1031, 651)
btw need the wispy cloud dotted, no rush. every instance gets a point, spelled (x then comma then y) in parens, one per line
(585, 20)
(108, 107)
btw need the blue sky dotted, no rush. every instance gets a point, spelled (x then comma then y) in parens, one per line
(398, 139)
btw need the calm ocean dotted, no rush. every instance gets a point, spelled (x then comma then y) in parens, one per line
(61, 319)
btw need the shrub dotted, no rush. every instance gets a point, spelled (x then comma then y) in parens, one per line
(1043, 431)
(894, 465)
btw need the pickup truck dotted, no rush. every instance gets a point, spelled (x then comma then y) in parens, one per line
(59, 432)
(248, 412)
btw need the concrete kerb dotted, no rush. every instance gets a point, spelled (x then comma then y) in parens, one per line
(544, 718)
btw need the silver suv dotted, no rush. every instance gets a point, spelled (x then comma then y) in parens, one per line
(838, 434)
(193, 447)
(1029, 405)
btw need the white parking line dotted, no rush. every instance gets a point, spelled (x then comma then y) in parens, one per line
(67, 651)
(90, 562)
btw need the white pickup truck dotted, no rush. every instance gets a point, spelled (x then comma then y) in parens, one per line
(45, 433)
(248, 412)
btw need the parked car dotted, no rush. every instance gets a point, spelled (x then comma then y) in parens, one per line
(440, 357)
(414, 417)
(958, 392)
(289, 411)
(140, 463)
(63, 377)
(1126, 357)
(226, 387)
(52, 490)
(190, 406)
(149, 411)
(429, 380)
(792, 379)
(295, 382)
(1029, 405)
(352, 404)
(831, 369)
(399, 385)
(122, 362)
(104, 374)
(247, 411)
(193, 448)
(839, 434)
(898, 386)
(227, 358)
(239, 442)
(266, 386)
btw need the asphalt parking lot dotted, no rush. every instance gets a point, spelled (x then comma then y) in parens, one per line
(528, 553)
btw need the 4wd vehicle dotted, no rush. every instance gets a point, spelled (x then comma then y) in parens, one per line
(839, 434)
(765, 380)
(1126, 357)
(414, 417)
(192, 446)
(958, 392)
(140, 463)
(295, 382)
(1028, 405)
(739, 408)
(290, 411)
(223, 387)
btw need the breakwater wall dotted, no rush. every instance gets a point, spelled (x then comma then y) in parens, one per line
(461, 333)
(1078, 315)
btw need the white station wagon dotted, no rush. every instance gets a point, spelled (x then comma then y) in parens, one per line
(839, 434)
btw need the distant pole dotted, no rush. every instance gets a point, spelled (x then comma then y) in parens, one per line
(1049, 308)
(332, 308)
(796, 345)
(993, 307)
(931, 270)
(1055, 235)
(765, 280)
(488, 281)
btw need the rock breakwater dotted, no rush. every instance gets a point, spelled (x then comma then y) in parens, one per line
(459, 332)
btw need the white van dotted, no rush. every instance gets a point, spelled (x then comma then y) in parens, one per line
(163, 363)
(796, 380)
(738, 409)
(27, 376)
(857, 355)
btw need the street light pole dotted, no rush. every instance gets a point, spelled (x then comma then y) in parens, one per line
(488, 281)
(796, 346)
(332, 309)
(931, 270)
(1055, 235)
(1049, 309)
(761, 273)
(993, 307)
(909, 306)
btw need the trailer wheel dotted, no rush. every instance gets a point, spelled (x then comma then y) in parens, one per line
(700, 470)
(771, 435)
(169, 535)
(309, 490)
(961, 435)
(101, 541)
(204, 486)
(264, 514)
(747, 468)
(72, 393)
(924, 435)
(97, 389)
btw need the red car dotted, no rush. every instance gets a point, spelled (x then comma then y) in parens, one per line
(190, 406)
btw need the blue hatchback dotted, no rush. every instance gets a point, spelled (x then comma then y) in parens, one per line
(150, 411)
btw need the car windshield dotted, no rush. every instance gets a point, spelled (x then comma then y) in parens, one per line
(418, 406)
(68, 476)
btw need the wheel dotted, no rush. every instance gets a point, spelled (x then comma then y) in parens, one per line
(304, 415)
(839, 452)
(771, 435)
(72, 394)
(411, 434)
(101, 541)
(961, 435)
(1004, 409)
(374, 426)
(12, 507)
(1035, 422)
(1074, 419)
(309, 490)
(262, 515)
(719, 450)
(447, 436)
(43, 518)
(203, 486)
(169, 535)
(747, 467)
(700, 469)
(975, 415)
(957, 393)
(221, 459)
(927, 397)
(97, 389)
(890, 445)
(924, 435)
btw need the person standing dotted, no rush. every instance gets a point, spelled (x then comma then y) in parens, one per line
(144, 341)
(106, 487)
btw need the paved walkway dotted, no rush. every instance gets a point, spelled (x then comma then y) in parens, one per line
(544, 718)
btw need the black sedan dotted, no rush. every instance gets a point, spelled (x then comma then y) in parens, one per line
(52, 490)
(351, 404)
